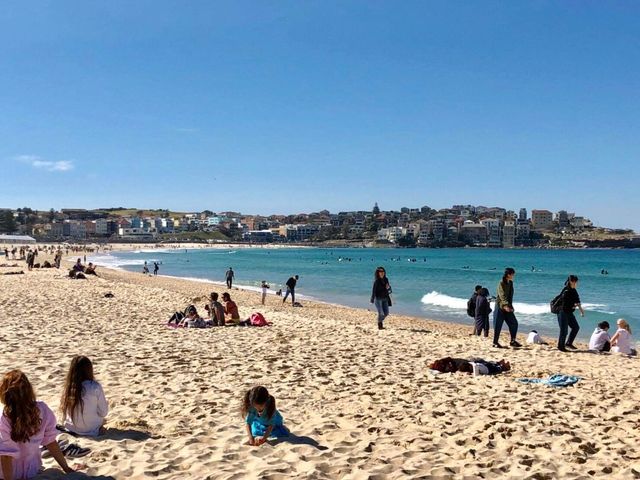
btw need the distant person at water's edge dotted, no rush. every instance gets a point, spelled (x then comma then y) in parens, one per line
(291, 289)
(229, 275)
(380, 295)
(482, 311)
(265, 287)
(471, 305)
(504, 310)
(566, 317)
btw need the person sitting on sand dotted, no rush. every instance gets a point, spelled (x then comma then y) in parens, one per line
(25, 426)
(78, 267)
(230, 309)
(600, 340)
(90, 270)
(483, 367)
(262, 418)
(83, 404)
(217, 310)
(621, 341)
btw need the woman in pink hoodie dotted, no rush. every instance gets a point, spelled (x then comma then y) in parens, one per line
(25, 425)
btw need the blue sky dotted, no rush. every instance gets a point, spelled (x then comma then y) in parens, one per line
(293, 106)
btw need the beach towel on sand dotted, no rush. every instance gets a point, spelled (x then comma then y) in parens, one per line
(556, 380)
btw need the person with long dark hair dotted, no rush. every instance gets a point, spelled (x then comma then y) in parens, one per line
(25, 426)
(83, 404)
(262, 419)
(380, 295)
(504, 312)
(566, 317)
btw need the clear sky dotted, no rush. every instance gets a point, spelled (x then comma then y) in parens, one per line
(294, 106)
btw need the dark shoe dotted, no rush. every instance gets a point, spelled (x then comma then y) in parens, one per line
(562, 349)
(380, 326)
(571, 346)
(515, 344)
(497, 345)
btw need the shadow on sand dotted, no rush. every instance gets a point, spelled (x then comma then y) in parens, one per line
(125, 434)
(294, 439)
(56, 473)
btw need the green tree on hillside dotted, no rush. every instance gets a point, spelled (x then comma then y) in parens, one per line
(7, 222)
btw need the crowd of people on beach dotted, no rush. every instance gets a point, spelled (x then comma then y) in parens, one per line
(563, 305)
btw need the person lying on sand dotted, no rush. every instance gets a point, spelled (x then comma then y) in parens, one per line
(192, 319)
(482, 367)
(262, 419)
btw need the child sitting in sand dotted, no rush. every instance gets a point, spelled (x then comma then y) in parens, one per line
(477, 366)
(261, 417)
(26, 424)
(83, 404)
(600, 340)
(621, 341)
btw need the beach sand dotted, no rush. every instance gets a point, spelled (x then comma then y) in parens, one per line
(361, 402)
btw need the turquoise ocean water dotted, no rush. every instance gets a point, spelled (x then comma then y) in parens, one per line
(436, 285)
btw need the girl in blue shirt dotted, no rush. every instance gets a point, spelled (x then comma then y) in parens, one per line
(261, 417)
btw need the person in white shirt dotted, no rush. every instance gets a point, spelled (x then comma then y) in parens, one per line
(600, 340)
(621, 340)
(265, 288)
(83, 404)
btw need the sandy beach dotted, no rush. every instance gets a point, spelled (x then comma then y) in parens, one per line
(361, 402)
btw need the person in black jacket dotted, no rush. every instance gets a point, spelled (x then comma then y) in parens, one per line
(380, 295)
(566, 317)
(291, 289)
(482, 311)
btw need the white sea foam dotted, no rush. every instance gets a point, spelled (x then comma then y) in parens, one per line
(156, 250)
(112, 261)
(441, 300)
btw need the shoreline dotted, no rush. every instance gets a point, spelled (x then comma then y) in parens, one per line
(549, 333)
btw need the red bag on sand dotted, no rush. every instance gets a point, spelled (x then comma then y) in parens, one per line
(258, 320)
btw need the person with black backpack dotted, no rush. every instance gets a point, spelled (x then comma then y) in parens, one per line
(567, 302)
(471, 305)
(482, 311)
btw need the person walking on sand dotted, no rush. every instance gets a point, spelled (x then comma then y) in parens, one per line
(504, 312)
(291, 289)
(471, 306)
(229, 276)
(566, 317)
(381, 295)
(481, 312)
(265, 288)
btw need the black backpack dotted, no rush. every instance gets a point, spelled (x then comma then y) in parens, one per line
(471, 306)
(556, 304)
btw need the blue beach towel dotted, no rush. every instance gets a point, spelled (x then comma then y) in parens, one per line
(556, 380)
